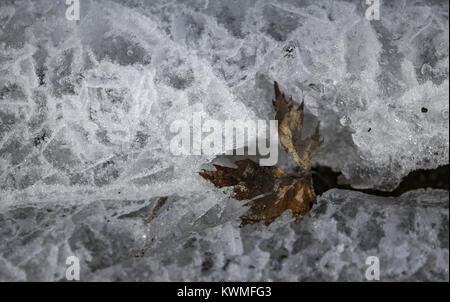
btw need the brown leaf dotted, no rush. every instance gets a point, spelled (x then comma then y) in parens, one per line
(282, 192)
(295, 194)
(272, 190)
(248, 179)
(290, 126)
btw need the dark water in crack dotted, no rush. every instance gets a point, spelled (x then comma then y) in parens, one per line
(325, 179)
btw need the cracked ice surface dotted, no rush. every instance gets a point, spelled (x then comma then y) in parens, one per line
(116, 240)
(85, 109)
(89, 104)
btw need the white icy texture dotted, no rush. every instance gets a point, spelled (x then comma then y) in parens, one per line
(99, 114)
(116, 240)
(88, 104)
(85, 109)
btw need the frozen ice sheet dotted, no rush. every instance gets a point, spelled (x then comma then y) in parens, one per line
(198, 238)
(89, 103)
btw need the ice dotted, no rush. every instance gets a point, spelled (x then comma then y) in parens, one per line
(128, 240)
(101, 98)
(86, 107)
(125, 71)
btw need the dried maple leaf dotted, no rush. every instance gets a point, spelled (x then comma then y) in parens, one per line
(291, 193)
(248, 179)
(277, 190)
(290, 126)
